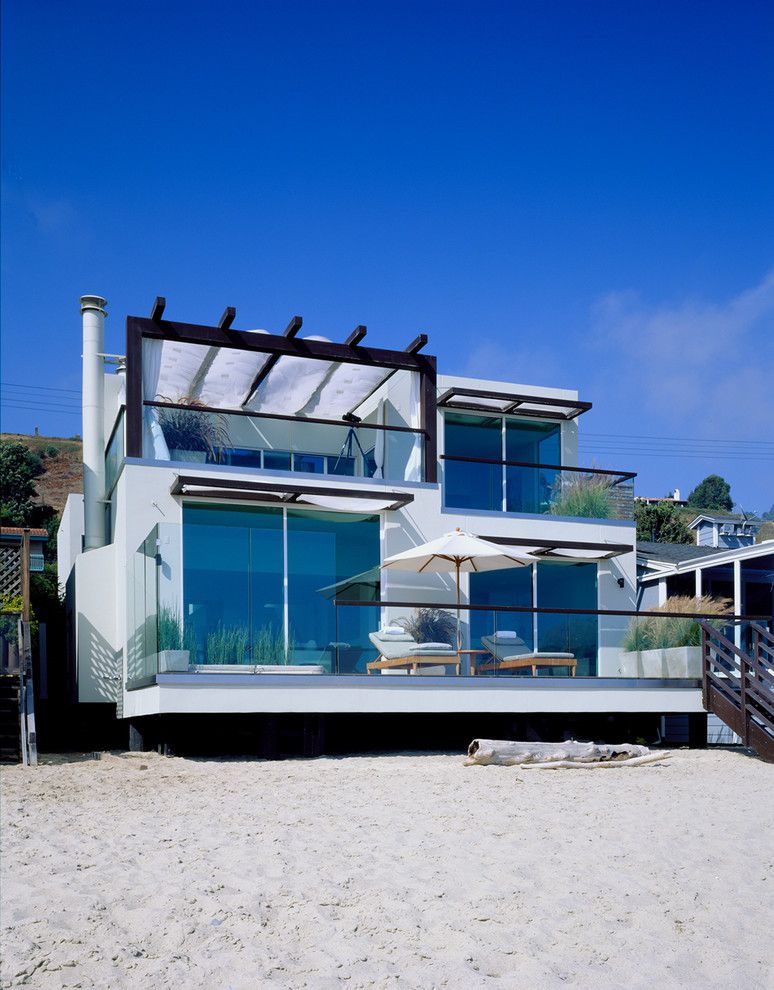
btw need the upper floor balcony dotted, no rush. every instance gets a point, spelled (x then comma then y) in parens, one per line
(517, 454)
(278, 402)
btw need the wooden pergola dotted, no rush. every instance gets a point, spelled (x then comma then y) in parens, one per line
(287, 343)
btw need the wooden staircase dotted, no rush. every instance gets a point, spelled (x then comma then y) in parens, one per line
(738, 685)
(10, 719)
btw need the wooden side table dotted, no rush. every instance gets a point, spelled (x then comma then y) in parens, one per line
(471, 654)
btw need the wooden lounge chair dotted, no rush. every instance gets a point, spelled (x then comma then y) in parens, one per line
(505, 655)
(402, 654)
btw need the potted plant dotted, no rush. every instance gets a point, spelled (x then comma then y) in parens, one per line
(430, 625)
(191, 433)
(172, 654)
(668, 646)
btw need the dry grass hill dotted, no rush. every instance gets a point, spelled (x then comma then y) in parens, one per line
(63, 468)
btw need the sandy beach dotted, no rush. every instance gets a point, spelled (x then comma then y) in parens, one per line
(387, 871)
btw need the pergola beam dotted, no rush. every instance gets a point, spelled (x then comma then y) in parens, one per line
(356, 336)
(417, 344)
(158, 308)
(293, 327)
(229, 315)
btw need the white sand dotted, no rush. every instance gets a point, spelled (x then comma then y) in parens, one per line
(407, 871)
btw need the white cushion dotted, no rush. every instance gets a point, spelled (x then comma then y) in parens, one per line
(431, 647)
(507, 635)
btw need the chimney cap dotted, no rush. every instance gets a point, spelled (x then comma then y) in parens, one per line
(94, 302)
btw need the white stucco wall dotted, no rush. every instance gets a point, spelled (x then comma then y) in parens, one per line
(69, 538)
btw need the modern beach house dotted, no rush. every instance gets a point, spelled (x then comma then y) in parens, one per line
(243, 488)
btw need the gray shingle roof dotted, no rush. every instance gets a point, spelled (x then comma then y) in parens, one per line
(675, 553)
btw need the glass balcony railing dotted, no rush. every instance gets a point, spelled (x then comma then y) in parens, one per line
(115, 452)
(544, 489)
(192, 611)
(187, 434)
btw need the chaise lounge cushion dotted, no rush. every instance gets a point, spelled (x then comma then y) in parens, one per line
(392, 649)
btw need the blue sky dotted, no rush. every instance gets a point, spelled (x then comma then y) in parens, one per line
(577, 194)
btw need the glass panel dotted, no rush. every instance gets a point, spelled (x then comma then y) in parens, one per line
(470, 485)
(275, 460)
(530, 489)
(142, 637)
(332, 555)
(193, 435)
(312, 463)
(501, 634)
(571, 585)
(114, 455)
(233, 584)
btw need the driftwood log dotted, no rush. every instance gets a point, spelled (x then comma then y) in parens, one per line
(559, 755)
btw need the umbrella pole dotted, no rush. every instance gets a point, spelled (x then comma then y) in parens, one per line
(459, 637)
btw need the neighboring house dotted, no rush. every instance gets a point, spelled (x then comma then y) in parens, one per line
(243, 488)
(11, 542)
(724, 529)
(653, 500)
(743, 575)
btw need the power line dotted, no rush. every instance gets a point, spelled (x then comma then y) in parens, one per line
(42, 409)
(641, 436)
(41, 388)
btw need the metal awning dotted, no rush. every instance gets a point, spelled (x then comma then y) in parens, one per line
(325, 497)
(565, 549)
(537, 406)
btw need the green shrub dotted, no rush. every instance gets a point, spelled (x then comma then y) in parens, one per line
(228, 644)
(664, 633)
(269, 647)
(584, 496)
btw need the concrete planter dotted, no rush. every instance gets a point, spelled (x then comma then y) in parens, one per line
(173, 661)
(678, 661)
(189, 456)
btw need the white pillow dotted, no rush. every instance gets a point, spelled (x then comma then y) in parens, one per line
(507, 636)
(432, 647)
(394, 630)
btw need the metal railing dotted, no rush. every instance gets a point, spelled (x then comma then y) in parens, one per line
(522, 640)
(522, 486)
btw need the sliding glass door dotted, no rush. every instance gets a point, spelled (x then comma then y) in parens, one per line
(330, 555)
(233, 584)
(259, 585)
(569, 586)
(549, 584)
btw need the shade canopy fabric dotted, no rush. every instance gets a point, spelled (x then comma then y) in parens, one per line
(459, 552)
(223, 378)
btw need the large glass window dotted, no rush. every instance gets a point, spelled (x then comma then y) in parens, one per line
(469, 485)
(566, 586)
(233, 584)
(237, 589)
(472, 485)
(330, 555)
(530, 489)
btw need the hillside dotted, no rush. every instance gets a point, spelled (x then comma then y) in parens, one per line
(63, 467)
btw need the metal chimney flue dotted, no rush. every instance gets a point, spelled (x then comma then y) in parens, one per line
(93, 312)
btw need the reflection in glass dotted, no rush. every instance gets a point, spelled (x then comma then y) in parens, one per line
(330, 555)
(233, 584)
(470, 485)
(568, 586)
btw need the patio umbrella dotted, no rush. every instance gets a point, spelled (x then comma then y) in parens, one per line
(455, 553)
